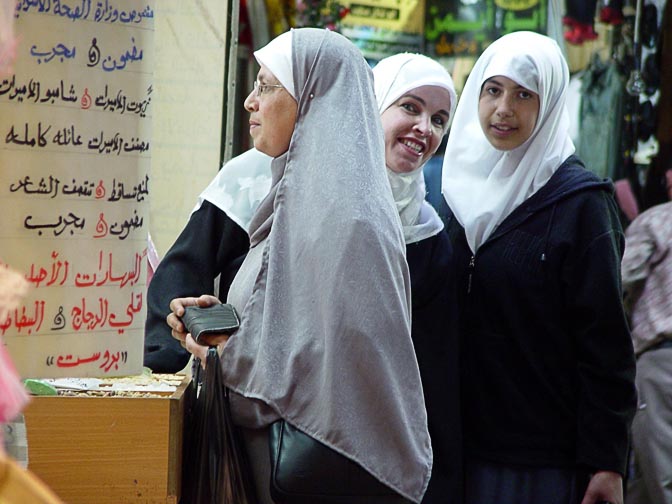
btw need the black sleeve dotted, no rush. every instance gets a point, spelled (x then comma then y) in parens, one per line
(211, 244)
(606, 363)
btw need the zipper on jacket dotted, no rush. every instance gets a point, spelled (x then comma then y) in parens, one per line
(548, 233)
(472, 264)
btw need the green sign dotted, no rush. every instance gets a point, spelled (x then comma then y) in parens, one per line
(467, 27)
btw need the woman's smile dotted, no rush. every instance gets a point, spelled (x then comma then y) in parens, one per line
(503, 129)
(413, 146)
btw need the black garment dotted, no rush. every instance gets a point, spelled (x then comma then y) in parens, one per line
(582, 11)
(491, 483)
(432, 172)
(435, 337)
(211, 244)
(546, 356)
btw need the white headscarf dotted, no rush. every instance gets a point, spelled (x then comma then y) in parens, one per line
(395, 76)
(239, 186)
(325, 336)
(481, 184)
(277, 57)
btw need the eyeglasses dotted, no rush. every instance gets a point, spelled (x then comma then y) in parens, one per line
(261, 89)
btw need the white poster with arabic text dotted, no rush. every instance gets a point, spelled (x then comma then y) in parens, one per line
(75, 147)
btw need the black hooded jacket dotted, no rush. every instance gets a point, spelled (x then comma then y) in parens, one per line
(547, 360)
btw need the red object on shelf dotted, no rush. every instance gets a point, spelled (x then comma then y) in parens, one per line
(578, 32)
(611, 15)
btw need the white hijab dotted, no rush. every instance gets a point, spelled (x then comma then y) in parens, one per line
(325, 336)
(483, 185)
(239, 186)
(395, 76)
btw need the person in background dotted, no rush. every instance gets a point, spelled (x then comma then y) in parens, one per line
(647, 282)
(17, 484)
(547, 382)
(13, 395)
(324, 291)
(416, 99)
(207, 254)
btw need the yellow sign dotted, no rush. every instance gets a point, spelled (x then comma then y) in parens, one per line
(516, 5)
(405, 16)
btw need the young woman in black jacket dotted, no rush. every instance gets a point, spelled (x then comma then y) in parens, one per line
(547, 361)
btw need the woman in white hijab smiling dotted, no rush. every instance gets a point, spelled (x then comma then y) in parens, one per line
(324, 341)
(416, 99)
(547, 361)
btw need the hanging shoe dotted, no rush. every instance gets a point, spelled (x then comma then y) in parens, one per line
(651, 73)
(648, 120)
(649, 26)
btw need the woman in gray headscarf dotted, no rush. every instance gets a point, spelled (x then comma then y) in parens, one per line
(324, 341)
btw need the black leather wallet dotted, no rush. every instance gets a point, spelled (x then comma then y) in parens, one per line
(215, 319)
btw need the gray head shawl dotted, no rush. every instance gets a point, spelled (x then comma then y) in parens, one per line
(325, 336)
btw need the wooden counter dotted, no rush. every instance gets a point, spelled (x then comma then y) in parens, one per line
(108, 450)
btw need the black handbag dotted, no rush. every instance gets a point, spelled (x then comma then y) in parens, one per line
(306, 471)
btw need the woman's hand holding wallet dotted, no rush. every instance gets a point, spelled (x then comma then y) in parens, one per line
(209, 323)
(177, 308)
(199, 323)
